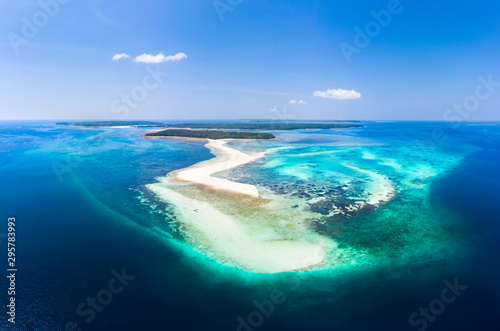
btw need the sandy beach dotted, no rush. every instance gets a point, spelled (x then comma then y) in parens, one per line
(226, 158)
(228, 240)
(252, 244)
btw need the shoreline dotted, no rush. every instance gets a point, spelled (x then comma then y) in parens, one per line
(173, 137)
(202, 139)
(238, 240)
(226, 239)
(225, 158)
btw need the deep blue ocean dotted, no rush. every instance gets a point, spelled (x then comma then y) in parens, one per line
(83, 216)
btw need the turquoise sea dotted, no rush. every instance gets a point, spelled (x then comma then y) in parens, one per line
(413, 209)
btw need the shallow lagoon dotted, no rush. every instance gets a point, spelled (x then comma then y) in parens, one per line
(85, 210)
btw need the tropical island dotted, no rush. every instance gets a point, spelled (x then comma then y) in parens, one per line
(114, 123)
(263, 126)
(210, 134)
(218, 126)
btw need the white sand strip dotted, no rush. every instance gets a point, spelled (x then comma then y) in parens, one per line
(223, 237)
(381, 188)
(226, 158)
(228, 238)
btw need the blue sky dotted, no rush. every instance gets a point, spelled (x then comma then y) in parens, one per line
(230, 59)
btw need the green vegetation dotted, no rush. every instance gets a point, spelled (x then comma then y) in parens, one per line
(211, 134)
(113, 123)
(275, 126)
(262, 126)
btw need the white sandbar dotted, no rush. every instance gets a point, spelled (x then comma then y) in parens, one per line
(226, 158)
(226, 239)
(253, 244)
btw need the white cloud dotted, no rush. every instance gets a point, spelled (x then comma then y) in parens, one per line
(177, 57)
(120, 56)
(274, 109)
(338, 94)
(159, 58)
(148, 58)
(295, 102)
